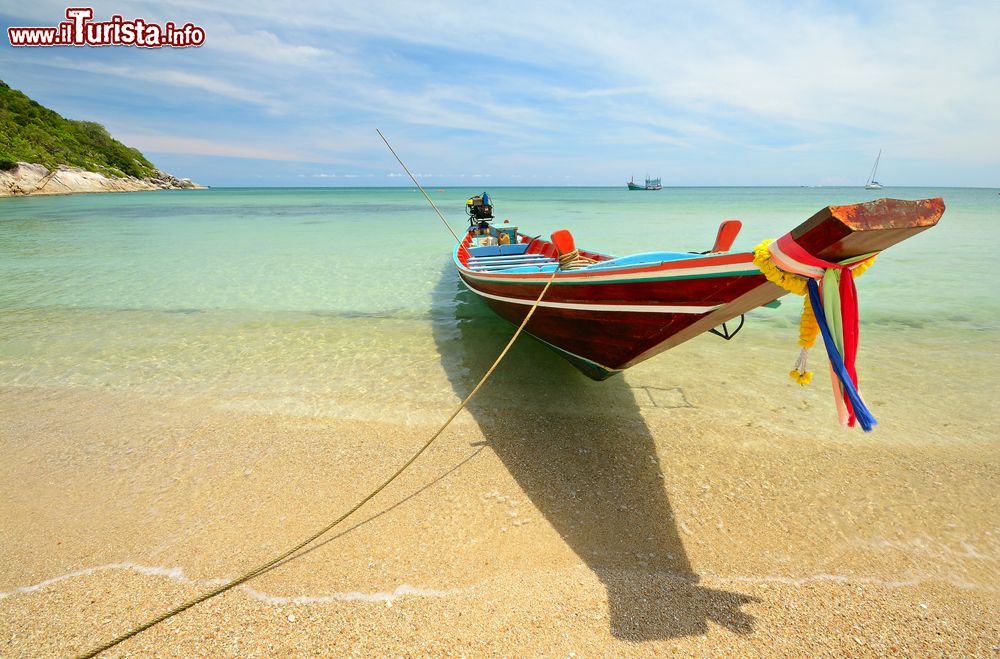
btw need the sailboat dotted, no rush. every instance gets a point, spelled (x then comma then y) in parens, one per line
(872, 184)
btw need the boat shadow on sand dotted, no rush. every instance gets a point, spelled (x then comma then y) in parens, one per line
(583, 454)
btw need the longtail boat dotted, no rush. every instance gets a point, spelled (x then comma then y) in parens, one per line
(605, 313)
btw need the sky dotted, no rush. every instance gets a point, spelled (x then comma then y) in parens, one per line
(541, 93)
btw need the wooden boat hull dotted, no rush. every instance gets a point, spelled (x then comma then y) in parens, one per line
(603, 324)
(604, 319)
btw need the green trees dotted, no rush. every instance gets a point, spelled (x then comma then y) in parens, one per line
(32, 133)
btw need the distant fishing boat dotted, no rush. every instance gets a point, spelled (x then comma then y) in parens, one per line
(605, 313)
(872, 184)
(651, 184)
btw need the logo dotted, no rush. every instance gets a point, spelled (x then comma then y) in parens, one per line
(79, 29)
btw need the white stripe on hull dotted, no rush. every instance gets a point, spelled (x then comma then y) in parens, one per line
(655, 274)
(584, 306)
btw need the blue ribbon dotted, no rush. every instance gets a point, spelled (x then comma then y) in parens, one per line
(861, 412)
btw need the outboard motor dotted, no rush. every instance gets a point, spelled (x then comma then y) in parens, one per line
(480, 209)
(480, 212)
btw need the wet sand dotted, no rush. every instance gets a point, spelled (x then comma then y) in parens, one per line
(630, 518)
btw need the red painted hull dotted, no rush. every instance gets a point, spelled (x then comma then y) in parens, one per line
(611, 341)
(611, 338)
(608, 318)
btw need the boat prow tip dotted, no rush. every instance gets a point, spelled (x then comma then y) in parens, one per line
(889, 213)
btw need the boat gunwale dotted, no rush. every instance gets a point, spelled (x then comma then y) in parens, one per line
(600, 275)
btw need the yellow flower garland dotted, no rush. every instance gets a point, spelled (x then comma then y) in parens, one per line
(790, 282)
(808, 327)
(802, 378)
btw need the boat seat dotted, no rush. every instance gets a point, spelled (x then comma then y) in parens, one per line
(508, 263)
(728, 231)
(491, 260)
(498, 250)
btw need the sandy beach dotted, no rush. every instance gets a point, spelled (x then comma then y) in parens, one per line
(621, 518)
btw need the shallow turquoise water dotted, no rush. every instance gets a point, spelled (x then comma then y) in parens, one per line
(336, 294)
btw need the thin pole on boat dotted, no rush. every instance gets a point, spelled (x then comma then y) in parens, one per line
(419, 187)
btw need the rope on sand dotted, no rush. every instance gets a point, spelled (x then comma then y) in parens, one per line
(264, 567)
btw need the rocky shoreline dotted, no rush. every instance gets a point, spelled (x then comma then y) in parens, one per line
(27, 179)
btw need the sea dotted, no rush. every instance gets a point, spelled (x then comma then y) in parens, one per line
(344, 302)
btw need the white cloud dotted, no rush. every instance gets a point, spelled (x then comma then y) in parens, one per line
(537, 87)
(174, 78)
(157, 143)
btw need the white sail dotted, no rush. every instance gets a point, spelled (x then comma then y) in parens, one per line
(872, 183)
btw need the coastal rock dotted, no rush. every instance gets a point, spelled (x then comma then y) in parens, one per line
(33, 179)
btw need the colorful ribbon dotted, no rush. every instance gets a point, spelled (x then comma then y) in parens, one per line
(837, 315)
(854, 406)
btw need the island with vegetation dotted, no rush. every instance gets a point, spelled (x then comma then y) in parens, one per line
(42, 152)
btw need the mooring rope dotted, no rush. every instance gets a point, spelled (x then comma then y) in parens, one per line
(264, 567)
(573, 259)
(274, 561)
